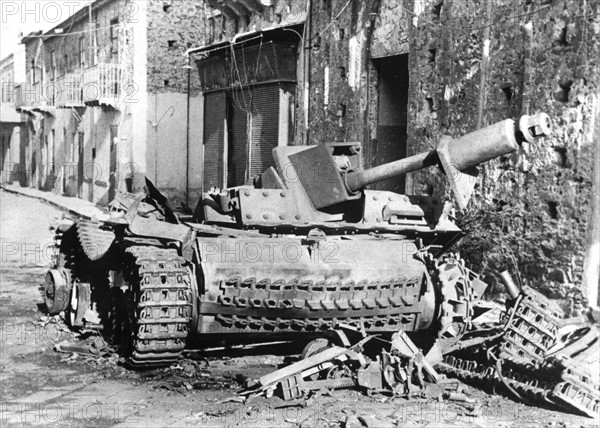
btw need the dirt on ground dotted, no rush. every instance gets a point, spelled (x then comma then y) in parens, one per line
(40, 386)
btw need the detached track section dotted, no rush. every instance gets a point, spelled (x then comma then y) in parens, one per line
(159, 306)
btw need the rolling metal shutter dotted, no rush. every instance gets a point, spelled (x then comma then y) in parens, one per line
(214, 117)
(265, 127)
(238, 137)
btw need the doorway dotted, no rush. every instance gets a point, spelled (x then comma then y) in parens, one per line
(113, 179)
(80, 164)
(392, 109)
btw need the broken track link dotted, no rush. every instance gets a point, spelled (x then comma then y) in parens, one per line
(525, 384)
(578, 389)
(531, 330)
(158, 306)
(566, 385)
(518, 361)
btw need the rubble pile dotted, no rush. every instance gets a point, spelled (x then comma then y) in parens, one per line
(534, 355)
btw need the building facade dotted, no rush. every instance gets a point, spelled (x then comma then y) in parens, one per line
(392, 75)
(250, 72)
(99, 120)
(397, 75)
(13, 131)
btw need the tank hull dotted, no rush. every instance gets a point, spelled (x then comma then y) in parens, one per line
(293, 284)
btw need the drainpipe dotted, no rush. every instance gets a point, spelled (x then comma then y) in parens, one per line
(306, 69)
(187, 140)
(483, 76)
(483, 72)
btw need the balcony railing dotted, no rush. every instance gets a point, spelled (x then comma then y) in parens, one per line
(30, 95)
(69, 90)
(100, 84)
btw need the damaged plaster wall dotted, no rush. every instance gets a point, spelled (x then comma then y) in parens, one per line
(173, 27)
(530, 213)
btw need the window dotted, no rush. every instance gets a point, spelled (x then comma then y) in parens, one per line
(65, 139)
(74, 148)
(211, 30)
(94, 53)
(66, 64)
(32, 73)
(52, 154)
(81, 51)
(114, 37)
(53, 65)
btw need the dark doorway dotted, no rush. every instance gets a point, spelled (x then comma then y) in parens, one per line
(80, 164)
(392, 109)
(113, 179)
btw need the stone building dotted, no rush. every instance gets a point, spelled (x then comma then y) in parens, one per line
(13, 132)
(108, 101)
(396, 75)
(393, 75)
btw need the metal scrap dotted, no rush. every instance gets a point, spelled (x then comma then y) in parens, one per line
(347, 366)
(531, 359)
(402, 343)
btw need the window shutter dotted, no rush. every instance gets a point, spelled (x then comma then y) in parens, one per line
(214, 116)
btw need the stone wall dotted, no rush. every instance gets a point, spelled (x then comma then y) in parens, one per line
(173, 27)
(529, 212)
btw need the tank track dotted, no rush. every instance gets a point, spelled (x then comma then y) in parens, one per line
(533, 329)
(565, 385)
(159, 306)
(518, 361)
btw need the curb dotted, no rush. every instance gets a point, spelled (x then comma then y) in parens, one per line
(47, 201)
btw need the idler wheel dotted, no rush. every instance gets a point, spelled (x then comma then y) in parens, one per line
(80, 302)
(56, 290)
(312, 348)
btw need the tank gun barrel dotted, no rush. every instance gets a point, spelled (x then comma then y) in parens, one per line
(359, 179)
(460, 154)
(328, 174)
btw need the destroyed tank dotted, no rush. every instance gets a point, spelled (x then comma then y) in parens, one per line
(306, 248)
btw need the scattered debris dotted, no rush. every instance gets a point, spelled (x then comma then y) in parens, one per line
(530, 359)
(347, 366)
(527, 356)
(96, 348)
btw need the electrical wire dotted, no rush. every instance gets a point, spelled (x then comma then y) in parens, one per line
(46, 35)
(492, 23)
(445, 25)
(332, 21)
